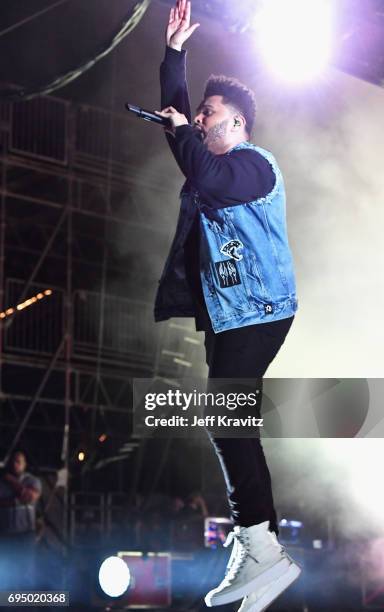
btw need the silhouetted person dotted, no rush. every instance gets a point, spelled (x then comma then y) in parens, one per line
(19, 493)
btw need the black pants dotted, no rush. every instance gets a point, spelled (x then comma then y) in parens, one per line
(245, 352)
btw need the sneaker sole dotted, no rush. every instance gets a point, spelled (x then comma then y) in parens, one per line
(276, 589)
(273, 573)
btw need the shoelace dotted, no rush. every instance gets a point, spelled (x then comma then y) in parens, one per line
(239, 553)
(231, 538)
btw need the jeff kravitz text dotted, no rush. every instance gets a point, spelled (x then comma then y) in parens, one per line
(208, 421)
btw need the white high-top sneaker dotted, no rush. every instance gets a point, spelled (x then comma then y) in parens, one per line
(261, 599)
(257, 559)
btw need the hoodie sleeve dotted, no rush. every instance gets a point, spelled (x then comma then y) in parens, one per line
(225, 180)
(174, 89)
(173, 82)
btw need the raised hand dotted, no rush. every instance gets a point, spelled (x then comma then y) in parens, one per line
(179, 27)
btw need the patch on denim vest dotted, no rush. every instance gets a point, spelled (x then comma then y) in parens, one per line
(231, 249)
(227, 273)
(268, 308)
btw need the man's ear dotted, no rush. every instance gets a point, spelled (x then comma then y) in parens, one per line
(238, 121)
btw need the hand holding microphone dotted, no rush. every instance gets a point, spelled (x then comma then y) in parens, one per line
(147, 115)
(169, 117)
(175, 119)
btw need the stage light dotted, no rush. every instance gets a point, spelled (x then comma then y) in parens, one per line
(358, 461)
(114, 576)
(28, 302)
(290, 531)
(295, 37)
(81, 456)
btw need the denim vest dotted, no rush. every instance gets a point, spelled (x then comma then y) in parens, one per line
(246, 265)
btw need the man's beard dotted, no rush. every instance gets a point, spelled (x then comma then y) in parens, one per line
(216, 133)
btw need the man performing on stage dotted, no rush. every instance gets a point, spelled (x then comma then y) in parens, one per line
(230, 267)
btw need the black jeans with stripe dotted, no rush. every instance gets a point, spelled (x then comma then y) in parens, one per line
(245, 352)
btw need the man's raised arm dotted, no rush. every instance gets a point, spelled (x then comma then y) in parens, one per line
(174, 91)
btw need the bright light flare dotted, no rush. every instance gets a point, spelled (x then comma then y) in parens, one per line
(295, 37)
(360, 459)
(114, 576)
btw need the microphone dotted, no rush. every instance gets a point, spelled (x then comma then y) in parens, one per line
(148, 115)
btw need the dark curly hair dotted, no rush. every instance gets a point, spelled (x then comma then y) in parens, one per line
(234, 93)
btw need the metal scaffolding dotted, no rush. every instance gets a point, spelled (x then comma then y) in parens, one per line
(68, 357)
